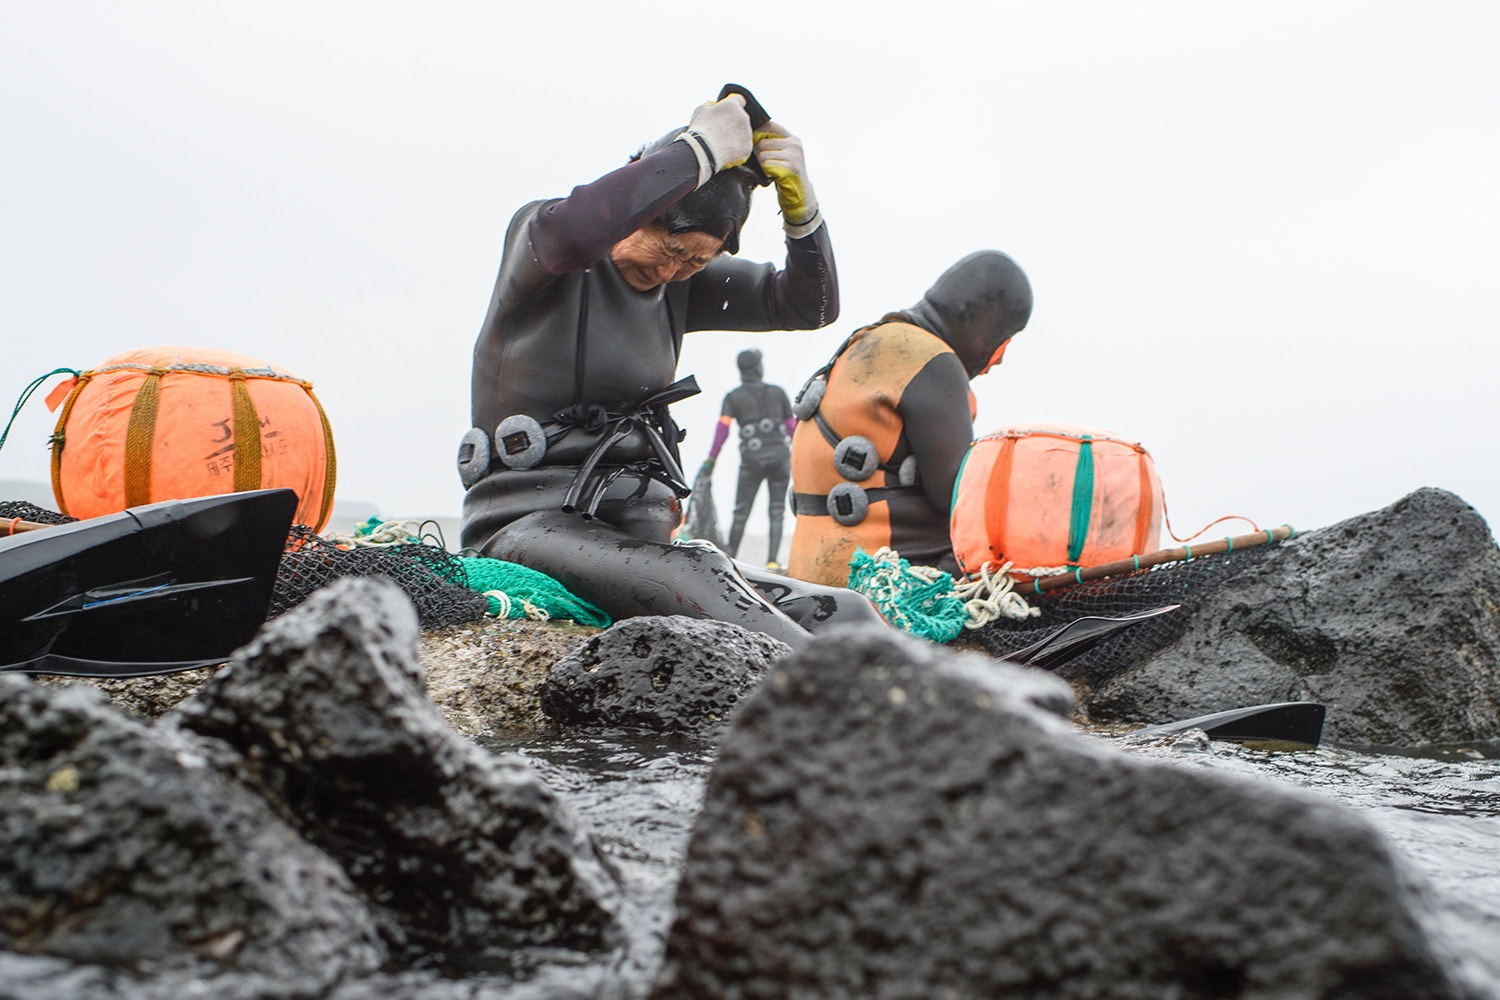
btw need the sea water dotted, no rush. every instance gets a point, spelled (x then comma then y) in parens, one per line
(1439, 809)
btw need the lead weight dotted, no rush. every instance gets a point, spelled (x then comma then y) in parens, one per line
(808, 398)
(473, 456)
(847, 504)
(520, 441)
(856, 458)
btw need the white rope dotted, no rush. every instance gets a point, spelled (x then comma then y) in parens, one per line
(533, 612)
(992, 595)
(384, 535)
(890, 561)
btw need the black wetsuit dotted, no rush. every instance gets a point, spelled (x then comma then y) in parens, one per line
(568, 342)
(762, 412)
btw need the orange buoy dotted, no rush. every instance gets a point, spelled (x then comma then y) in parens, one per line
(169, 423)
(1054, 495)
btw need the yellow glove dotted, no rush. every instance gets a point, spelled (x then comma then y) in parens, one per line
(781, 157)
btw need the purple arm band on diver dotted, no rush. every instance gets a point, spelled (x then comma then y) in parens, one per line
(721, 434)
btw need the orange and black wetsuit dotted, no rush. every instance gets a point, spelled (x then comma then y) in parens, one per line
(905, 391)
(876, 455)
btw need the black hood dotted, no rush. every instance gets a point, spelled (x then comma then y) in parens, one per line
(719, 208)
(976, 306)
(751, 367)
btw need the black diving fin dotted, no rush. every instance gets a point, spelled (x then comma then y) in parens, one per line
(1298, 723)
(1078, 637)
(151, 590)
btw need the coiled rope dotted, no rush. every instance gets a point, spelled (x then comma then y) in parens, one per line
(926, 602)
(991, 594)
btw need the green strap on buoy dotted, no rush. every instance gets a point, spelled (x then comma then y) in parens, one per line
(1083, 498)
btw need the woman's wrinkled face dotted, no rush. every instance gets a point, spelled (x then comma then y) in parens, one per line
(651, 256)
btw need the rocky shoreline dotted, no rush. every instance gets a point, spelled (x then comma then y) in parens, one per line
(884, 817)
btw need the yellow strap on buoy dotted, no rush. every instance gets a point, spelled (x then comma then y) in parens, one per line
(246, 433)
(140, 434)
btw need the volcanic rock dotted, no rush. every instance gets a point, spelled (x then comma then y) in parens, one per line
(464, 856)
(889, 819)
(663, 674)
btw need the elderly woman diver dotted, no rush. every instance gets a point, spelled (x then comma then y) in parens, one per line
(572, 465)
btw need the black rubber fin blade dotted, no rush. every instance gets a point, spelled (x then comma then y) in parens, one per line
(153, 589)
(1297, 723)
(72, 666)
(1077, 638)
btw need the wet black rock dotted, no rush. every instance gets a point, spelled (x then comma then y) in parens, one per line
(130, 866)
(668, 674)
(463, 856)
(890, 819)
(1392, 619)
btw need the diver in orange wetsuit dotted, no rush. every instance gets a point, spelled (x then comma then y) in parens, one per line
(885, 425)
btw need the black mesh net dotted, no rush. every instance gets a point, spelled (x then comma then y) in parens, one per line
(434, 579)
(430, 575)
(702, 516)
(1185, 583)
(11, 509)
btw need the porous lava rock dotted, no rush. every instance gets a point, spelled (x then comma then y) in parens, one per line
(888, 819)
(130, 866)
(464, 856)
(666, 674)
(1391, 619)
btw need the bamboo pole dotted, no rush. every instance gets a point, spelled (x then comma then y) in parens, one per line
(15, 526)
(1179, 554)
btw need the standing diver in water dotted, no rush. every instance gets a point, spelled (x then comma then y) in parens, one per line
(766, 424)
(572, 466)
(886, 423)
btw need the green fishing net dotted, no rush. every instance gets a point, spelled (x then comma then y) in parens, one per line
(516, 591)
(917, 600)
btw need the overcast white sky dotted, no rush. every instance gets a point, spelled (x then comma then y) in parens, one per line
(1262, 237)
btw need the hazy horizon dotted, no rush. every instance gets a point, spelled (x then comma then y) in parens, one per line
(1261, 239)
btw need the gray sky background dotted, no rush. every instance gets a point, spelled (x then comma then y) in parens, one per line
(1262, 237)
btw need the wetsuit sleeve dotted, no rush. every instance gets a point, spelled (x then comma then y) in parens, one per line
(721, 434)
(934, 411)
(578, 231)
(731, 294)
(550, 238)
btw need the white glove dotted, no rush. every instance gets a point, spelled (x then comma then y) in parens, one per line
(781, 157)
(719, 134)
